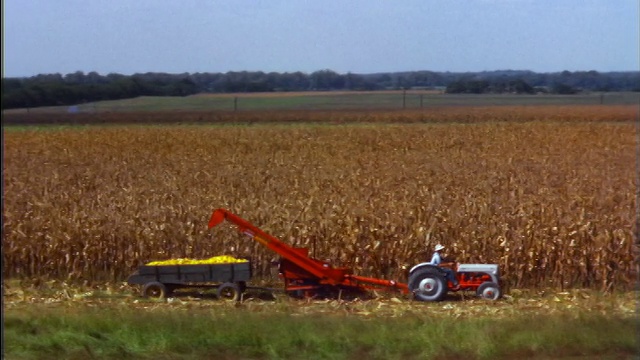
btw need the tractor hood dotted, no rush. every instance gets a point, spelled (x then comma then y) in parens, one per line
(482, 268)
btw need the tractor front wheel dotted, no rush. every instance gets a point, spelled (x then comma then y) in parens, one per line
(489, 290)
(428, 285)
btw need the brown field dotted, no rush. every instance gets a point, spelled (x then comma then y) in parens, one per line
(548, 193)
(432, 115)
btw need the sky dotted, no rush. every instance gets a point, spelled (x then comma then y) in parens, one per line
(358, 36)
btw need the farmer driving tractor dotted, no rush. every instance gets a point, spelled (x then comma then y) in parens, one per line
(446, 265)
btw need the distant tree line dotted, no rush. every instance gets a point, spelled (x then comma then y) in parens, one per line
(518, 86)
(78, 87)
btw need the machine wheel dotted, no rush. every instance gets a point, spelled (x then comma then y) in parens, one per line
(489, 290)
(154, 290)
(229, 292)
(428, 285)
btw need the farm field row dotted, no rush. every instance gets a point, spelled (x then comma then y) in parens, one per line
(56, 294)
(432, 115)
(333, 101)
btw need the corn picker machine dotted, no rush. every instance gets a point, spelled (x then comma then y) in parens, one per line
(304, 276)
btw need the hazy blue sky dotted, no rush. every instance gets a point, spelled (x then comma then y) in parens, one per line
(360, 36)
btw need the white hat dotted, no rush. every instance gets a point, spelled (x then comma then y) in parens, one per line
(439, 247)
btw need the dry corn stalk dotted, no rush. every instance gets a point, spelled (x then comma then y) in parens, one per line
(551, 202)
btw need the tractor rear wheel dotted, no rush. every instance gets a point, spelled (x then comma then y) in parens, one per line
(229, 292)
(428, 285)
(489, 290)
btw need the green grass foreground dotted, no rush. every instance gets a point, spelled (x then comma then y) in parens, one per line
(156, 333)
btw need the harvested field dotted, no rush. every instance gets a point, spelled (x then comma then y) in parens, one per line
(432, 115)
(548, 194)
(320, 93)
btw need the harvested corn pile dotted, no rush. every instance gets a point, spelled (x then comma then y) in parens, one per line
(222, 259)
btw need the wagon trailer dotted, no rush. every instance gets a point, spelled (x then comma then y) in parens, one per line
(160, 281)
(304, 276)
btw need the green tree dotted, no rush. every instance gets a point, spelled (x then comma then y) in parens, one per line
(563, 89)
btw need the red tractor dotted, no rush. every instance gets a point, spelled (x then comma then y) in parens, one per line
(428, 282)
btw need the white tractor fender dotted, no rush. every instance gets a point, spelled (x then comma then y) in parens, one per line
(416, 267)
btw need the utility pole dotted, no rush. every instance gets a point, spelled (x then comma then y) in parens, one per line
(404, 98)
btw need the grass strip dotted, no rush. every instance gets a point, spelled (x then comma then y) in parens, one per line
(123, 333)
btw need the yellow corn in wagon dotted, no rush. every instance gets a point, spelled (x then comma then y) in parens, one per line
(222, 259)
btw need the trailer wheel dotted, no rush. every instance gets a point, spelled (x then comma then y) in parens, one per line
(154, 290)
(489, 290)
(229, 292)
(428, 285)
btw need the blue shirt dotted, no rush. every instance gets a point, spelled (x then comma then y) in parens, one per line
(436, 259)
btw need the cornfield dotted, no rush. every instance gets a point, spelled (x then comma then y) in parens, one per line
(552, 202)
